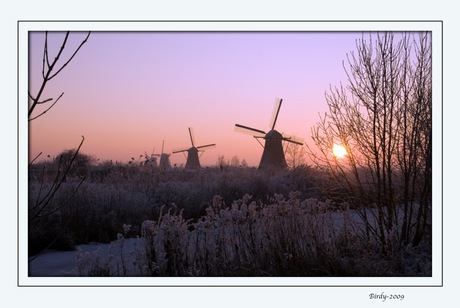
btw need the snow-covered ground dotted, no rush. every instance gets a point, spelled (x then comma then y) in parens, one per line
(53, 263)
(122, 256)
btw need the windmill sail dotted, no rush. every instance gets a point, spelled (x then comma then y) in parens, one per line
(174, 151)
(192, 138)
(213, 145)
(276, 111)
(293, 139)
(249, 130)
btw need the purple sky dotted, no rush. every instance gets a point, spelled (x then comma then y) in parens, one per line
(126, 92)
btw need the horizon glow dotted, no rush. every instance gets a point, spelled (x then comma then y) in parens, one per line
(126, 92)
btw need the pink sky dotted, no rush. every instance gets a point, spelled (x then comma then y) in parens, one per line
(126, 92)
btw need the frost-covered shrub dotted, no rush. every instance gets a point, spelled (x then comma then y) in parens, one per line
(221, 223)
(286, 237)
(92, 264)
(283, 238)
(93, 212)
(46, 221)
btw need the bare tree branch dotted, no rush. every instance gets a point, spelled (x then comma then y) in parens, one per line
(45, 111)
(48, 69)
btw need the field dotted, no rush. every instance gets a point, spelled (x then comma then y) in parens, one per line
(212, 222)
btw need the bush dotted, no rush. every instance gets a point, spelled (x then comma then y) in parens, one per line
(199, 225)
(284, 238)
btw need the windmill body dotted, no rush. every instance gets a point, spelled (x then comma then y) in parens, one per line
(193, 159)
(164, 163)
(152, 162)
(273, 154)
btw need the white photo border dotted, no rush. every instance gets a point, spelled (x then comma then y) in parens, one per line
(435, 26)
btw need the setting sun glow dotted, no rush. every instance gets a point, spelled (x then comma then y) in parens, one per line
(339, 151)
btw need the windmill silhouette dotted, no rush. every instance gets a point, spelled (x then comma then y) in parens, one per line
(150, 160)
(273, 155)
(193, 161)
(164, 164)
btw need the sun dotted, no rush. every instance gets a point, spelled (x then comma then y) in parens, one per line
(339, 151)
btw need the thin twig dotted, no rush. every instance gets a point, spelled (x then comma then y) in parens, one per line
(47, 108)
(35, 158)
(73, 55)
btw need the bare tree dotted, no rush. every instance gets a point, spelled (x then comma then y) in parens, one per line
(383, 118)
(235, 161)
(415, 143)
(295, 155)
(221, 162)
(41, 209)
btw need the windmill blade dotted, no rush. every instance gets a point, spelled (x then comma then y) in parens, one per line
(249, 130)
(276, 111)
(192, 138)
(180, 150)
(207, 146)
(293, 139)
(162, 147)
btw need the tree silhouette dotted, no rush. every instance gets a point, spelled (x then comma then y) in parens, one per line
(383, 118)
(42, 212)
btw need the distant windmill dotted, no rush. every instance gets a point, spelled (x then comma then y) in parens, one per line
(165, 164)
(273, 155)
(150, 160)
(193, 161)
